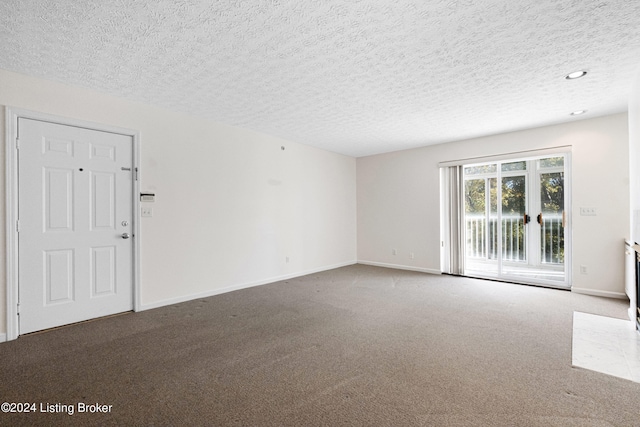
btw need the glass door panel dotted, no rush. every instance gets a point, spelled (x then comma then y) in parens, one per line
(475, 217)
(493, 249)
(481, 219)
(515, 221)
(551, 218)
(514, 204)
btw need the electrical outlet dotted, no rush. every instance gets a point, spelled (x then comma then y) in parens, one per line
(583, 269)
(286, 259)
(394, 251)
(412, 255)
(147, 212)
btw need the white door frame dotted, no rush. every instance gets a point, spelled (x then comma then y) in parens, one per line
(11, 202)
(568, 280)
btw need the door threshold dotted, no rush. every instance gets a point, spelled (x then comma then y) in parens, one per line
(76, 323)
(514, 282)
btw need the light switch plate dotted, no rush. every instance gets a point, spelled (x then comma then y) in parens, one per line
(588, 211)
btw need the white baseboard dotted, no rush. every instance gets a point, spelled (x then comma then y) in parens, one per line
(597, 293)
(400, 267)
(3, 337)
(214, 292)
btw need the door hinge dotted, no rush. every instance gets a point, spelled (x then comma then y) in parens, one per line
(18, 309)
(17, 143)
(18, 226)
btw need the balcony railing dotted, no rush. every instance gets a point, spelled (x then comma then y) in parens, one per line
(482, 238)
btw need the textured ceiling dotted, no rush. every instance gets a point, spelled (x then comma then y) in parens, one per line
(354, 77)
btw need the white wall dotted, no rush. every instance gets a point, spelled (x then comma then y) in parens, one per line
(398, 198)
(634, 186)
(634, 158)
(230, 206)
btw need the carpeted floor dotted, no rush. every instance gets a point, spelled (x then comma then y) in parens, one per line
(355, 346)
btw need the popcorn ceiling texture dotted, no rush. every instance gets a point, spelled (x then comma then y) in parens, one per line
(355, 77)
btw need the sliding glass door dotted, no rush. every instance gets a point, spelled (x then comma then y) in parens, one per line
(516, 230)
(481, 218)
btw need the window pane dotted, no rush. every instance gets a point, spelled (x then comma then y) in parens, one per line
(514, 195)
(551, 221)
(475, 217)
(476, 170)
(514, 238)
(474, 194)
(552, 162)
(492, 250)
(514, 166)
(552, 192)
(493, 196)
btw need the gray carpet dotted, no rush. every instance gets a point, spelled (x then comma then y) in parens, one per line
(355, 346)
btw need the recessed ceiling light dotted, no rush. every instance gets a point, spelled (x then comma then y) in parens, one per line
(578, 112)
(575, 75)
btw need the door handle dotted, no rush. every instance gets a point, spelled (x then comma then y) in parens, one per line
(527, 219)
(125, 235)
(539, 218)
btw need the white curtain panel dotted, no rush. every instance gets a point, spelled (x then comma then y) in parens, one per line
(453, 220)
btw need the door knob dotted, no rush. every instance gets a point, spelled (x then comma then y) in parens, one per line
(125, 235)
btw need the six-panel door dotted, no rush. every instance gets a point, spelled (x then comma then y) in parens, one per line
(75, 204)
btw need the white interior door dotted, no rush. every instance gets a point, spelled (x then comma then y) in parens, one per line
(75, 213)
